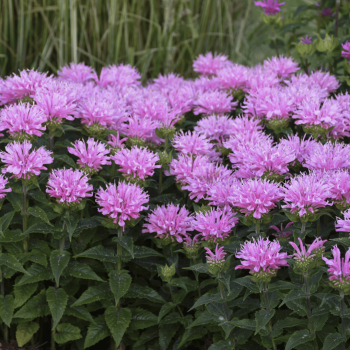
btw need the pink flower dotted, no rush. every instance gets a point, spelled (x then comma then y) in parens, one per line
(270, 7)
(195, 144)
(169, 221)
(209, 64)
(115, 142)
(282, 66)
(339, 269)
(92, 155)
(68, 186)
(137, 162)
(77, 73)
(259, 78)
(211, 102)
(119, 76)
(303, 255)
(343, 225)
(220, 192)
(327, 12)
(255, 197)
(305, 194)
(324, 80)
(168, 82)
(218, 257)
(346, 52)
(280, 233)
(307, 40)
(121, 202)
(340, 187)
(18, 87)
(215, 224)
(233, 77)
(261, 256)
(21, 163)
(3, 190)
(23, 121)
(244, 124)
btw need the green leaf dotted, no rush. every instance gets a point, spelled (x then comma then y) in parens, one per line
(165, 309)
(96, 332)
(40, 227)
(16, 200)
(248, 283)
(204, 318)
(293, 295)
(262, 317)
(80, 270)
(344, 241)
(300, 9)
(38, 257)
(10, 261)
(78, 312)
(23, 293)
(319, 321)
(35, 307)
(127, 243)
(38, 196)
(145, 252)
(25, 332)
(37, 273)
(206, 299)
(119, 284)
(66, 159)
(298, 338)
(245, 323)
(39, 213)
(7, 306)
(5, 221)
(332, 340)
(166, 333)
(280, 285)
(12, 236)
(117, 322)
(66, 333)
(222, 345)
(137, 291)
(99, 253)
(142, 319)
(59, 261)
(198, 267)
(71, 221)
(287, 322)
(57, 300)
(192, 334)
(93, 294)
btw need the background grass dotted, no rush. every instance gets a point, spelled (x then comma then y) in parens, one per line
(157, 36)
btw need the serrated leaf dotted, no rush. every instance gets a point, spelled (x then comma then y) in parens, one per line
(38, 257)
(66, 159)
(137, 291)
(119, 284)
(204, 318)
(80, 270)
(202, 268)
(25, 332)
(222, 345)
(319, 321)
(262, 317)
(127, 243)
(16, 200)
(280, 285)
(165, 309)
(344, 241)
(6, 308)
(332, 340)
(142, 319)
(38, 196)
(166, 333)
(245, 323)
(293, 295)
(93, 294)
(5, 221)
(40, 227)
(57, 300)
(66, 333)
(37, 273)
(96, 332)
(248, 283)
(35, 307)
(192, 334)
(39, 213)
(206, 299)
(23, 293)
(59, 261)
(10, 261)
(287, 322)
(12, 236)
(117, 322)
(141, 252)
(71, 221)
(298, 338)
(78, 311)
(99, 253)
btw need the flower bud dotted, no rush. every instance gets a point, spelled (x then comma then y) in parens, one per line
(263, 276)
(166, 273)
(278, 125)
(95, 129)
(328, 44)
(164, 158)
(305, 49)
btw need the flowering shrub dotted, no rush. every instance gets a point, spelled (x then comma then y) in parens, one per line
(211, 213)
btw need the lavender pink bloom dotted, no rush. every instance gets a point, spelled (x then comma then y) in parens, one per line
(91, 155)
(137, 162)
(169, 221)
(282, 66)
(306, 40)
(121, 202)
(214, 102)
(302, 255)
(215, 258)
(119, 76)
(68, 186)
(270, 7)
(3, 190)
(22, 163)
(233, 77)
(343, 225)
(209, 64)
(340, 187)
(280, 232)
(77, 73)
(346, 51)
(115, 142)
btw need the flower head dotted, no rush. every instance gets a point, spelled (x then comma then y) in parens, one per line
(281, 233)
(232, 78)
(346, 52)
(119, 76)
(169, 222)
(68, 186)
(282, 66)
(21, 163)
(215, 261)
(137, 162)
(209, 64)
(324, 80)
(23, 121)
(343, 225)
(307, 40)
(327, 12)
(121, 202)
(115, 142)
(215, 101)
(340, 187)
(270, 7)
(92, 155)
(77, 73)
(3, 190)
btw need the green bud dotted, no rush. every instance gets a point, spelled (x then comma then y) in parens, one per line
(165, 132)
(216, 267)
(263, 276)
(271, 20)
(317, 130)
(328, 44)
(305, 49)
(192, 251)
(135, 141)
(53, 124)
(166, 273)
(95, 129)
(21, 137)
(278, 125)
(271, 176)
(164, 157)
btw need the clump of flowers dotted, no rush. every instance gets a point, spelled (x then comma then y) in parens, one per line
(3, 190)
(22, 163)
(122, 202)
(191, 246)
(262, 257)
(339, 270)
(215, 224)
(282, 66)
(346, 51)
(215, 261)
(170, 223)
(305, 259)
(119, 76)
(221, 191)
(340, 188)
(214, 102)
(270, 7)
(22, 121)
(92, 155)
(281, 233)
(343, 225)
(137, 163)
(77, 73)
(68, 186)
(209, 64)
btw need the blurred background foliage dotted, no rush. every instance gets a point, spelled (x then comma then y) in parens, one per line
(157, 36)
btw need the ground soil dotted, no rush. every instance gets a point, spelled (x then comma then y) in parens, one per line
(13, 346)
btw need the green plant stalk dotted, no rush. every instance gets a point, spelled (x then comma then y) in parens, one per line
(343, 329)
(223, 297)
(257, 228)
(119, 250)
(25, 218)
(160, 180)
(309, 311)
(5, 329)
(267, 305)
(53, 332)
(173, 300)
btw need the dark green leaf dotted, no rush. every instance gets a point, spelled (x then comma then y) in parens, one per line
(5, 221)
(262, 317)
(142, 319)
(11, 262)
(222, 345)
(12, 236)
(23, 293)
(206, 299)
(137, 291)
(7, 306)
(144, 252)
(16, 200)
(287, 322)
(319, 321)
(93, 294)
(204, 318)
(127, 243)
(99, 253)
(37, 273)
(59, 261)
(38, 196)
(248, 283)
(332, 340)
(66, 333)
(199, 268)
(117, 322)
(300, 9)
(245, 323)
(96, 332)
(25, 332)
(81, 270)
(119, 284)
(165, 309)
(344, 241)
(166, 333)
(192, 334)
(57, 300)
(71, 221)
(66, 159)
(40, 227)
(39, 213)
(298, 338)
(293, 295)
(38, 257)
(35, 307)
(280, 285)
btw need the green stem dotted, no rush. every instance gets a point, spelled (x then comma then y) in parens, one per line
(223, 297)
(336, 19)
(267, 304)
(275, 42)
(119, 254)
(5, 329)
(318, 228)
(160, 180)
(257, 228)
(343, 329)
(53, 332)
(113, 168)
(309, 311)
(173, 299)
(25, 218)
(166, 143)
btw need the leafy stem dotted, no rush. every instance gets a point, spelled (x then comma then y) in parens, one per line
(309, 311)
(343, 329)
(267, 305)
(25, 217)
(173, 300)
